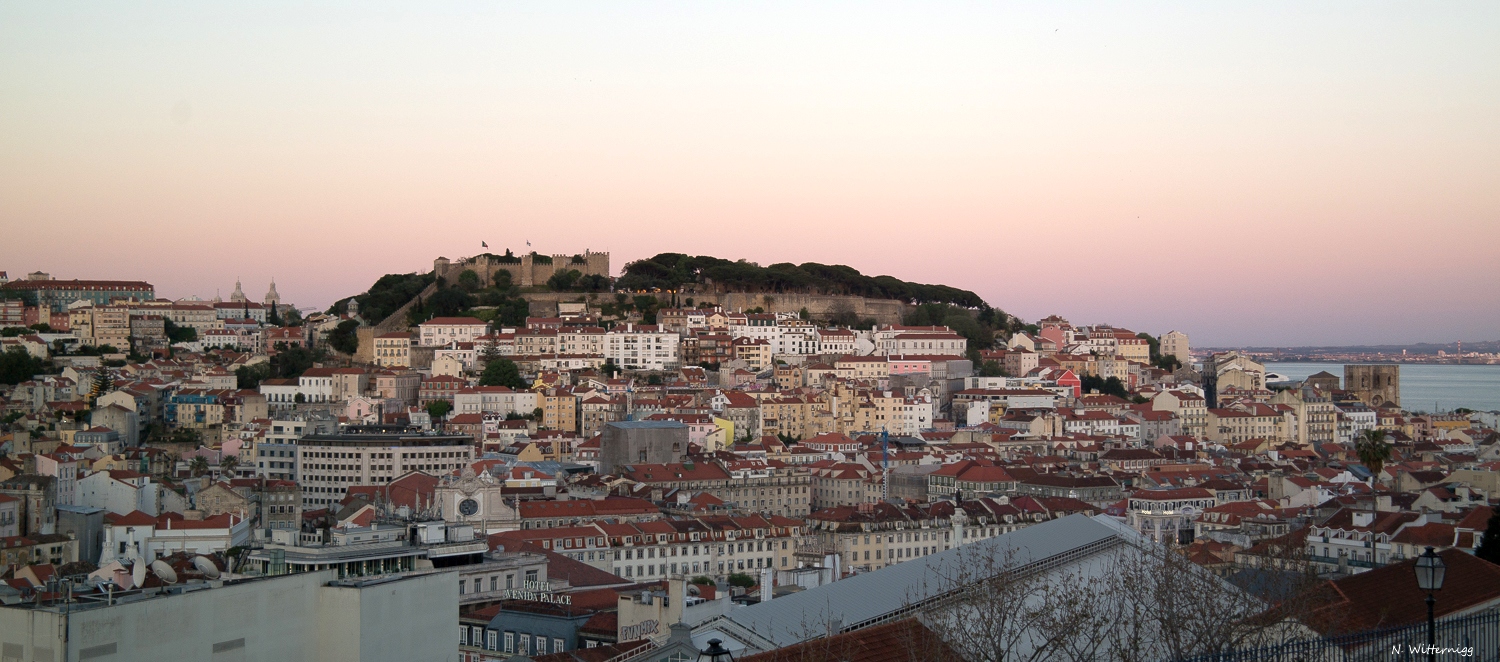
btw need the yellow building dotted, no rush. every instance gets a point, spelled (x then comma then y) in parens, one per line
(393, 349)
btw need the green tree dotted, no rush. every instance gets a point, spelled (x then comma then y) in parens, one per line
(610, 369)
(502, 372)
(992, 369)
(741, 579)
(468, 280)
(291, 361)
(229, 463)
(489, 353)
(647, 306)
(198, 465)
(1489, 545)
(437, 409)
(250, 376)
(564, 280)
(345, 337)
(1112, 386)
(18, 365)
(1373, 451)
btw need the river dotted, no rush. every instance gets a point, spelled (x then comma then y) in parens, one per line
(1425, 387)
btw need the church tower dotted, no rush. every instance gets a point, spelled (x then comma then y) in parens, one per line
(239, 292)
(271, 296)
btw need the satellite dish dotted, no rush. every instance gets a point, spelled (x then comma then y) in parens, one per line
(206, 566)
(138, 573)
(164, 571)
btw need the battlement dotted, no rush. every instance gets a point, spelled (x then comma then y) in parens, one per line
(525, 270)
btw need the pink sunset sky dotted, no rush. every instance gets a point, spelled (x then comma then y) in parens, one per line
(1251, 173)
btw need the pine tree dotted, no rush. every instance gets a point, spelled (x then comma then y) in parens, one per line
(1489, 545)
(101, 384)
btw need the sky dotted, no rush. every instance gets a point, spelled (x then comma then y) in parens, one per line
(1270, 173)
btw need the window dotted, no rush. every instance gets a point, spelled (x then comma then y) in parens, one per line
(510, 642)
(557, 645)
(525, 647)
(492, 641)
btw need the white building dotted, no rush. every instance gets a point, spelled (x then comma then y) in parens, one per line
(836, 341)
(642, 348)
(329, 464)
(120, 492)
(302, 616)
(137, 535)
(316, 385)
(494, 400)
(440, 331)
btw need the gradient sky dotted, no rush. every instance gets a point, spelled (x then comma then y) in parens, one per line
(1250, 173)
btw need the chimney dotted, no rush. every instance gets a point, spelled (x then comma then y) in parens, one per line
(1363, 518)
(766, 584)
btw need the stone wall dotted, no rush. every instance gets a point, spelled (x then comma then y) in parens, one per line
(820, 306)
(525, 270)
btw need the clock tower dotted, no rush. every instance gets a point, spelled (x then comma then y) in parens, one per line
(477, 500)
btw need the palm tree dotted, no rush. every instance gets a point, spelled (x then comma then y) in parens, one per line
(229, 463)
(1374, 451)
(198, 465)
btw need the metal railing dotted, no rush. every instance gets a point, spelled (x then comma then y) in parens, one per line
(1470, 637)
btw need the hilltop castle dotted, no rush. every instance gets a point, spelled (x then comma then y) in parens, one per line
(525, 270)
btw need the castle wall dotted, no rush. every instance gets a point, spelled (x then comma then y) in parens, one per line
(527, 272)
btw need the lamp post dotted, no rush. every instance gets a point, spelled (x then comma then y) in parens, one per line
(715, 652)
(1430, 571)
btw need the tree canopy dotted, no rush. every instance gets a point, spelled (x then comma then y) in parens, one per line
(345, 337)
(388, 294)
(672, 270)
(502, 372)
(18, 365)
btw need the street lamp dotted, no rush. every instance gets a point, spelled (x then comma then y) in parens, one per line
(715, 652)
(1430, 571)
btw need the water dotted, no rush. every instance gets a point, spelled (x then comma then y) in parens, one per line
(1425, 387)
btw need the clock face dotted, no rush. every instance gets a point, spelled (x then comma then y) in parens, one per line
(468, 507)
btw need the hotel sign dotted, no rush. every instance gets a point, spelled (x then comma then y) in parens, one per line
(536, 592)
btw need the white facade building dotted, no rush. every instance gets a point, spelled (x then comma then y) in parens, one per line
(440, 331)
(633, 348)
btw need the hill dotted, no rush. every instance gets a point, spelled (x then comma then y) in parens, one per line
(675, 270)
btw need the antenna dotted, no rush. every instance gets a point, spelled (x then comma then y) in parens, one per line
(164, 571)
(138, 573)
(206, 566)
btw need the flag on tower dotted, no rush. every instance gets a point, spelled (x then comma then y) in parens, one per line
(483, 245)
